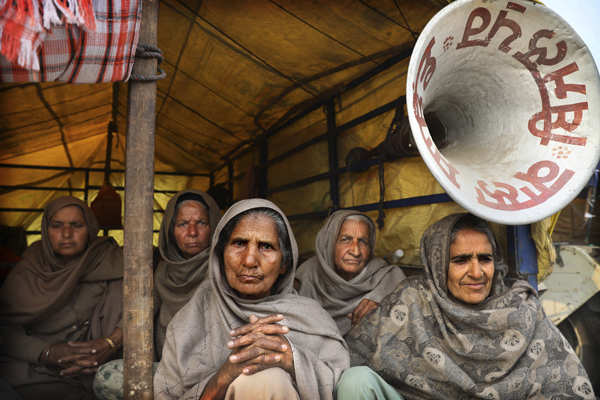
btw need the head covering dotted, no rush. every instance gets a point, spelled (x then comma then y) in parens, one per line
(196, 345)
(319, 279)
(177, 277)
(431, 346)
(42, 282)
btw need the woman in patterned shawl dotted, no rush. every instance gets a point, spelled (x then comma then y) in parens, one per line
(461, 331)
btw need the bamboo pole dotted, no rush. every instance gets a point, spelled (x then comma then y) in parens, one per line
(139, 182)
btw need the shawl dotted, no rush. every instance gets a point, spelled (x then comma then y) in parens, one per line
(431, 346)
(23, 28)
(320, 281)
(176, 277)
(197, 336)
(41, 282)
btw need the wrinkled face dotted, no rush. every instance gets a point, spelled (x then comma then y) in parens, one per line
(471, 267)
(352, 249)
(68, 232)
(252, 257)
(192, 228)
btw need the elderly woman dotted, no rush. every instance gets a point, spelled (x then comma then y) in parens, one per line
(462, 330)
(184, 244)
(245, 334)
(61, 306)
(343, 276)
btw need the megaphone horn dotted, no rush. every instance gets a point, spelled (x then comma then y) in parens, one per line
(517, 94)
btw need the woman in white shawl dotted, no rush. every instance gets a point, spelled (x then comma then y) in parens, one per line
(463, 331)
(245, 334)
(343, 276)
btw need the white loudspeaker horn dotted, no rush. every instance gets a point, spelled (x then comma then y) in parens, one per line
(514, 93)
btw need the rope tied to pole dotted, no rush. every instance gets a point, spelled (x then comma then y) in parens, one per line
(147, 51)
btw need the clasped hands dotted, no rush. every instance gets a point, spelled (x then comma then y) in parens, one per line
(260, 345)
(77, 358)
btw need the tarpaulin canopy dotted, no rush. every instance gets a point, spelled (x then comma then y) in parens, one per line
(237, 72)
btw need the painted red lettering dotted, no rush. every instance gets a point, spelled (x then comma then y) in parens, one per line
(506, 195)
(561, 87)
(541, 52)
(484, 15)
(427, 65)
(502, 21)
(561, 112)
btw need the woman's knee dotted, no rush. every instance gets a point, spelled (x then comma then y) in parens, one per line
(356, 383)
(272, 383)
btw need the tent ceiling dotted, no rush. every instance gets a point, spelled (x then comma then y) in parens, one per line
(233, 69)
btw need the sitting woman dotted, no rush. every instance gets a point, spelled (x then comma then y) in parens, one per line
(245, 334)
(61, 306)
(343, 276)
(184, 240)
(463, 330)
(184, 244)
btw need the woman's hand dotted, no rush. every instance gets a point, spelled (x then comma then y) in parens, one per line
(363, 308)
(254, 347)
(260, 345)
(76, 358)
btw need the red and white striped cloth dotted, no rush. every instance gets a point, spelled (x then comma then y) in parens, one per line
(71, 45)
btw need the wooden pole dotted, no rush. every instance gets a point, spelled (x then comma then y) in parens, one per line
(139, 182)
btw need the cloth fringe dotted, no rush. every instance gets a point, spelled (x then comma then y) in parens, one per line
(25, 23)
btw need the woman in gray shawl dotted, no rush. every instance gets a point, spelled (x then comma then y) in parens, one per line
(245, 334)
(184, 244)
(462, 331)
(343, 276)
(61, 306)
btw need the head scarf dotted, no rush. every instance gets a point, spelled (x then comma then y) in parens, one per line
(431, 346)
(177, 277)
(319, 279)
(197, 336)
(42, 282)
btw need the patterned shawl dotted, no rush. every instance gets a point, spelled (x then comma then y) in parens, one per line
(430, 346)
(319, 279)
(196, 344)
(42, 283)
(176, 277)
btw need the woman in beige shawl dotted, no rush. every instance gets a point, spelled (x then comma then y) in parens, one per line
(61, 306)
(245, 334)
(343, 276)
(184, 244)
(463, 331)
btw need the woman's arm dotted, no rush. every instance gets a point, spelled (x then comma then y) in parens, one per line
(217, 386)
(16, 343)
